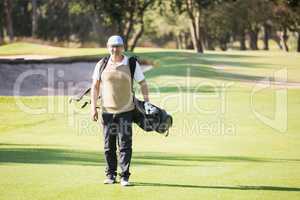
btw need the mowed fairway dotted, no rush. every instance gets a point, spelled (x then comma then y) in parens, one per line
(217, 149)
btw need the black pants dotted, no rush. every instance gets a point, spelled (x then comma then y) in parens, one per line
(117, 129)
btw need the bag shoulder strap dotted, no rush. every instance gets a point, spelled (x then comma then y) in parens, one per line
(132, 65)
(103, 65)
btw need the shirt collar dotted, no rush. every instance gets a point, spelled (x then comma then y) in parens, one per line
(123, 62)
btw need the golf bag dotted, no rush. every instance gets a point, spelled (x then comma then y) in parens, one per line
(159, 121)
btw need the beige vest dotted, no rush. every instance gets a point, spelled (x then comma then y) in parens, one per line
(116, 90)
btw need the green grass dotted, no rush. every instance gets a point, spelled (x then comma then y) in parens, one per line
(58, 154)
(21, 48)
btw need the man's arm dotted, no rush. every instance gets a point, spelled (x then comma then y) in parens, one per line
(144, 90)
(94, 97)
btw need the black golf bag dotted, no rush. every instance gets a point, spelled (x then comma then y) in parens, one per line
(159, 121)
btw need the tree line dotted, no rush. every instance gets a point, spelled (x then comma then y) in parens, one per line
(192, 24)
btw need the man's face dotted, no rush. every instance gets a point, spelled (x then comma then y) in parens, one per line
(115, 50)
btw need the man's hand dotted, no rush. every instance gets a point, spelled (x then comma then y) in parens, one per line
(94, 115)
(149, 108)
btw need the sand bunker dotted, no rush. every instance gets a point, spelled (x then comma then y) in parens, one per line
(39, 79)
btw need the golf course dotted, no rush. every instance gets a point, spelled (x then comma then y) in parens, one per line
(235, 132)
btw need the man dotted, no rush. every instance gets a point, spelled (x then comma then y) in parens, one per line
(115, 87)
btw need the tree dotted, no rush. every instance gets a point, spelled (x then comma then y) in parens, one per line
(193, 8)
(125, 18)
(163, 27)
(21, 15)
(8, 19)
(283, 21)
(249, 17)
(267, 34)
(85, 25)
(294, 6)
(239, 16)
(1, 23)
(258, 14)
(54, 22)
(34, 18)
(218, 25)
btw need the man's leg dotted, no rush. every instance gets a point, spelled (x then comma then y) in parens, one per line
(110, 137)
(125, 143)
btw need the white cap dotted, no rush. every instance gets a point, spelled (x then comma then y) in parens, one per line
(115, 40)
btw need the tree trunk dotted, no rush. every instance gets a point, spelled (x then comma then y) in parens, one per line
(126, 32)
(184, 40)
(298, 45)
(8, 18)
(188, 44)
(181, 40)
(129, 26)
(178, 42)
(243, 41)
(223, 42)
(195, 28)
(284, 39)
(125, 40)
(277, 39)
(34, 18)
(253, 39)
(137, 36)
(267, 30)
(1, 24)
(1, 35)
(197, 41)
(223, 46)
(96, 27)
(204, 39)
(209, 43)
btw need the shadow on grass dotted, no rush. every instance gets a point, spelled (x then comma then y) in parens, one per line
(266, 188)
(201, 72)
(182, 54)
(213, 59)
(178, 63)
(205, 158)
(41, 155)
(174, 89)
(44, 155)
